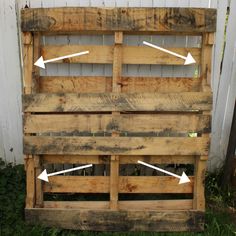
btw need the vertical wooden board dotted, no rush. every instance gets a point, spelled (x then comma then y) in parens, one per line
(38, 182)
(116, 87)
(199, 184)
(30, 182)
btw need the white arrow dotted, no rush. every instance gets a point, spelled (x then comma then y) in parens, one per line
(44, 175)
(183, 178)
(41, 63)
(188, 60)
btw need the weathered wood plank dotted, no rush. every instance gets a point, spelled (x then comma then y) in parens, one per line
(188, 101)
(126, 184)
(72, 84)
(109, 220)
(77, 159)
(199, 185)
(116, 145)
(182, 20)
(30, 183)
(116, 87)
(146, 123)
(130, 54)
(185, 204)
(100, 84)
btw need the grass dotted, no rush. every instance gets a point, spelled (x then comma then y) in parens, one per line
(12, 197)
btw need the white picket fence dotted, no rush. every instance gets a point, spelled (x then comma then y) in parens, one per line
(224, 85)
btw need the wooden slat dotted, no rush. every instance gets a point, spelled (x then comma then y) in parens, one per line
(153, 184)
(155, 123)
(81, 84)
(116, 87)
(199, 185)
(182, 20)
(130, 54)
(30, 183)
(97, 54)
(185, 204)
(117, 102)
(127, 184)
(77, 159)
(101, 84)
(116, 145)
(77, 184)
(110, 220)
(38, 182)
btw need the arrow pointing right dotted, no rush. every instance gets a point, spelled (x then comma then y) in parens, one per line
(188, 60)
(183, 178)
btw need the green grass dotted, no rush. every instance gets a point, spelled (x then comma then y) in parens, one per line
(12, 197)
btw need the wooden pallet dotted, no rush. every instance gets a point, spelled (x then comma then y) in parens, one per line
(127, 109)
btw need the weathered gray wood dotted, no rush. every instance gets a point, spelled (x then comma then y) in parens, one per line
(188, 101)
(163, 124)
(116, 145)
(182, 20)
(108, 220)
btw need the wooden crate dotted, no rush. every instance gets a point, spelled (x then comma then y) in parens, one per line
(63, 115)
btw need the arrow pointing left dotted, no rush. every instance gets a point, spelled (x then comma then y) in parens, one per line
(41, 63)
(44, 175)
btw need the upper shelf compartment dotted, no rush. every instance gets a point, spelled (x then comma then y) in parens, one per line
(107, 20)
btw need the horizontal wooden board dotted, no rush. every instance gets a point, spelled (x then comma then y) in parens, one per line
(127, 184)
(116, 145)
(110, 220)
(163, 124)
(76, 159)
(100, 84)
(182, 20)
(183, 204)
(72, 102)
(130, 54)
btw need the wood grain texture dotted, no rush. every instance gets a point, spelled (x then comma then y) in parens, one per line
(178, 20)
(109, 220)
(162, 124)
(117, 102)
(116, 145)
(130, 54)
(30, 183)
(183, 204)
(126, 184)
(100, 84)
(78, 159)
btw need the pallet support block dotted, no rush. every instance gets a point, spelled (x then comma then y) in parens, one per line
(114, 121)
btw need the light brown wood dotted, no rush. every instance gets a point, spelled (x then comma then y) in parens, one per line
(185, 204)
(101, 84)
(30, 182)
(36, 55)
(189, 101)
(38, 182)
(127, 184)
(74, 84)
(116, 87)
(162, 124)
(130, 54)
(199, 185)
(27, 61)
(116, 145)
(148, 20)
(78, 159)
(206, 64)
